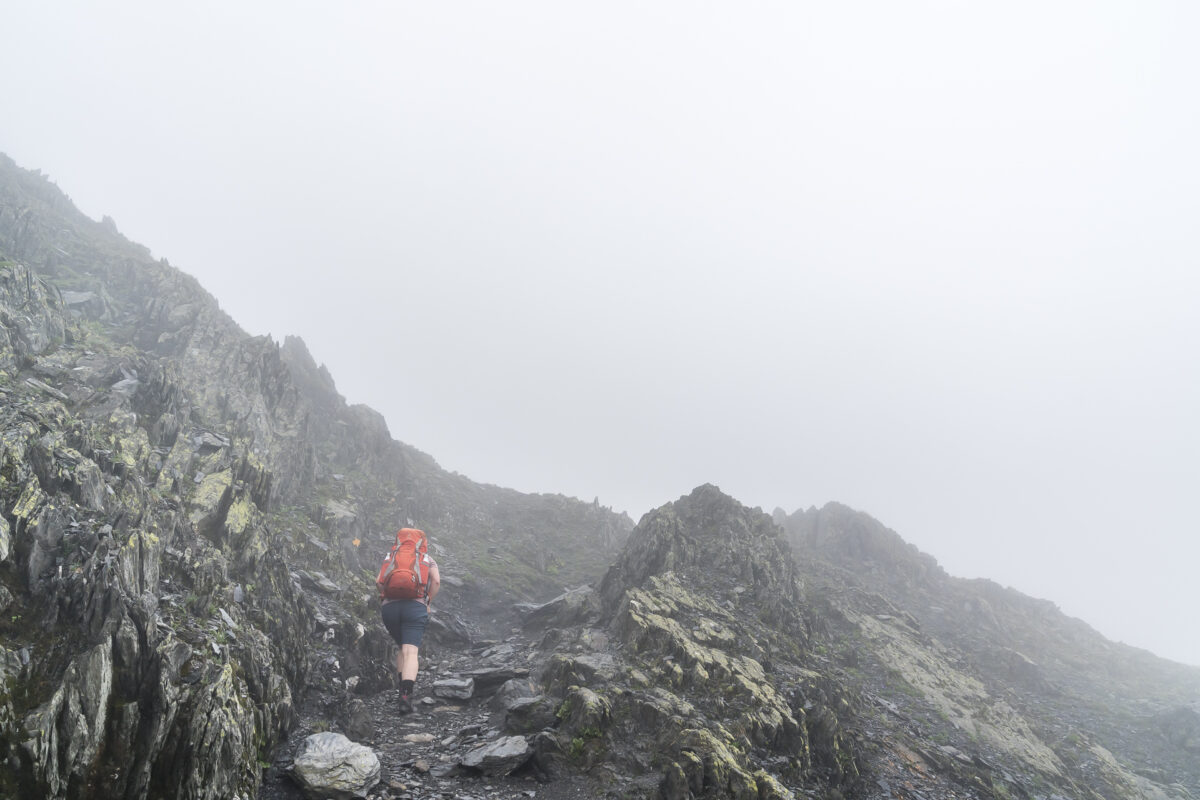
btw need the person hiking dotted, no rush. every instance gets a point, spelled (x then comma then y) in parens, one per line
(408, 582)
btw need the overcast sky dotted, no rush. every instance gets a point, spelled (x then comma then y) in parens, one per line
(937, 261)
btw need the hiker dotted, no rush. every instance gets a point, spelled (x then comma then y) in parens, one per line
(408, 582)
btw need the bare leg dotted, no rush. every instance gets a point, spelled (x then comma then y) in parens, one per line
(406, 662)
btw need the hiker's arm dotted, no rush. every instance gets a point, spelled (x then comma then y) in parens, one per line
(435, 583)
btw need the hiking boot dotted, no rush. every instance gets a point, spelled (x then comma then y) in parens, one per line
(406, 706)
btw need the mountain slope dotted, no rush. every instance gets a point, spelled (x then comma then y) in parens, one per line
(1011, 674)
(176, 495)
(190, 518)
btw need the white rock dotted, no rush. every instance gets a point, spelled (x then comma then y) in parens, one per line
(329, 765)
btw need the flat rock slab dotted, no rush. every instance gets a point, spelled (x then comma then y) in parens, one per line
(499, 757)
(489, 677)
(329, 765)
(457, 688)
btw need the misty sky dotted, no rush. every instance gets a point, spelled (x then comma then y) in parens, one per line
(937, 261)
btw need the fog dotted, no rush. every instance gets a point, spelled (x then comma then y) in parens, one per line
(937, 261)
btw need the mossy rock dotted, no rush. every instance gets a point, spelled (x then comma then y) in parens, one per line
(584, 710)
(704, 757)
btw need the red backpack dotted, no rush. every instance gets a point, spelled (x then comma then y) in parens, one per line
(405, 571)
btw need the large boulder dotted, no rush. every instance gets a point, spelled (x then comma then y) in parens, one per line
(330, 765)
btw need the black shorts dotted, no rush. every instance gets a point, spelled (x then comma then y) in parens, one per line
(405, 620)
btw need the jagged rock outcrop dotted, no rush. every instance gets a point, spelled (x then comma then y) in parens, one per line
(693, 675)
(119, 690)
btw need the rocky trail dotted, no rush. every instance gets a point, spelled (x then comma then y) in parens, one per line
(458, 743)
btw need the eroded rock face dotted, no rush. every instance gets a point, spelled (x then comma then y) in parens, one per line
(31, 319)
(67, 730)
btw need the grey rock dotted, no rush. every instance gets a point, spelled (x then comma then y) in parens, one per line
(487, 678)
(448, 770)
(128, 384)
(328, 765)
(570, 608)
(70, 298)
(45, 387)
(586, 709)
(1181, 727)
(206, 441)
(448, 629)
(596, 668)
(87, 486)
(71, 723)
(530, 714)
(336, 516)
(500, 757)
(37, 327)
(498, 652)
(454, 688)
(11, 667)
(357, 722)
(319, 581)
(88, 304)
(511, 691)
(48, 530)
